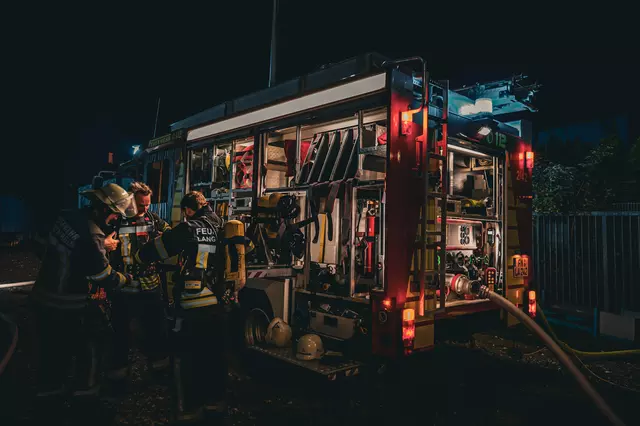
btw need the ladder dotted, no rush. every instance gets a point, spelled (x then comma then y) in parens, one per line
(433, 235)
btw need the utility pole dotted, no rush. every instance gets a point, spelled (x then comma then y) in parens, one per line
(155, 126)
(272, 56)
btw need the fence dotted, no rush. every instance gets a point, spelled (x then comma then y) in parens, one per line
(626, 207)
(588, 260)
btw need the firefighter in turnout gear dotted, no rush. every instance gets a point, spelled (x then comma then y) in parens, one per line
(75, 266)
(198, 337)
(142, 297)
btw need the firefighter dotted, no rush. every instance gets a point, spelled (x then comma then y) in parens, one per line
(75, 264)
(142, 298)
(198, 337)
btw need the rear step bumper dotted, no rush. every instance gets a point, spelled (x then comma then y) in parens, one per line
(326, 367)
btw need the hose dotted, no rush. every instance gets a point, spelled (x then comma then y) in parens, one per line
(13, 331)
(484, 293)
(566, 347)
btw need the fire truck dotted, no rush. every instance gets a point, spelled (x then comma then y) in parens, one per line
(375, 196)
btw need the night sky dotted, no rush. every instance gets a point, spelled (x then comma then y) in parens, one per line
(86, 81)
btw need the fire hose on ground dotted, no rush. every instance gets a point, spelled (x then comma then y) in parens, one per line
(13, 332)
(484, 293)
(566, 347)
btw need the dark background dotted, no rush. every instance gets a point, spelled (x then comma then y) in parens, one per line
(85, 80)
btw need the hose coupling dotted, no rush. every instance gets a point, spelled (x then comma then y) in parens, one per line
(483, 292)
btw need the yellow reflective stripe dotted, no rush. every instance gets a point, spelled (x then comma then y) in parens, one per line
(160, 248)
(136, 229)
(150, 279)
(121, 278)
(125, 246)
(203, 255)
(142, 283)
(102, 275)
(192, 285)
(137, 256)
(204, 293)
(149, 283)
(198, 303)
(201, 260)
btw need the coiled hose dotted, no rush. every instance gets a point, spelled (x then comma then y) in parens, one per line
(610, 354)
(485, 293)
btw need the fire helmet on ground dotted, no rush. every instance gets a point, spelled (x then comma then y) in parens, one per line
(310, 347)
(116, 198)
(278, 333)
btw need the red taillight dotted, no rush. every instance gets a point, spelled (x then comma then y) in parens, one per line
(386, 304)
(532, 303)
(406, 118)
(408, 327)
(529, 160)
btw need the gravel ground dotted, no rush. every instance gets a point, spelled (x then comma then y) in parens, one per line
(18, 264)
(496, 378)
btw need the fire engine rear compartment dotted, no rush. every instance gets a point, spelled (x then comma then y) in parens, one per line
(313, 195)
(340, 313)
(328, 300)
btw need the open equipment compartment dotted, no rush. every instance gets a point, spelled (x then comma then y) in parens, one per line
(372, 194)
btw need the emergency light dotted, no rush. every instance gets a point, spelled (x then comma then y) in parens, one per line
(526, 159)
(532, 303)
(529, 160)
(408, 327)
(406, 118)
(387, 304)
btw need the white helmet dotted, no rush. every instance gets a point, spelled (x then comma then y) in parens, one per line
(310, 347)
(278, 333)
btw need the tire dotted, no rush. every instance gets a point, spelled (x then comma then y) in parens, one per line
(248, 324)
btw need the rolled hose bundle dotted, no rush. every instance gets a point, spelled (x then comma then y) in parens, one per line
(557, 351)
